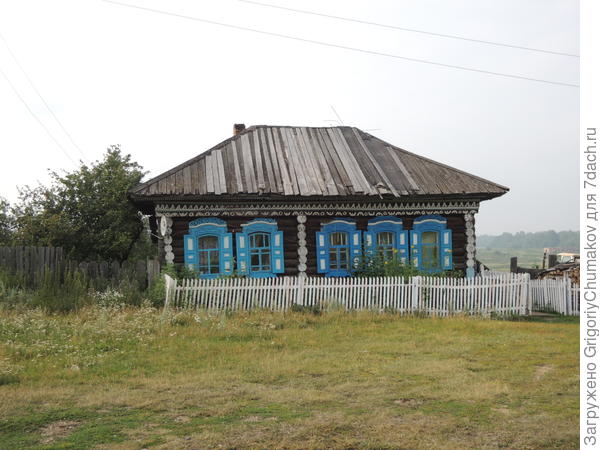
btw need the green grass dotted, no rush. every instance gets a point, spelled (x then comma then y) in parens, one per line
(138, 378)
(499, 258)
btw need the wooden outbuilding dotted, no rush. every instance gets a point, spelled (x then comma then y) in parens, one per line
(274, 200)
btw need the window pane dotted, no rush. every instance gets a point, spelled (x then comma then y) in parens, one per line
(385, 238)
(431, 257)
(266, 261)
(206, 242)
(344, 258)
(333, 260)
(338, 238)
(214, 261)
(259, 240)
(203, 258)
(254, 260)
(430, 237)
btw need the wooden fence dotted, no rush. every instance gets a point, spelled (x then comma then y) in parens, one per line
(555, 295)
(33, 264)
(506, 294)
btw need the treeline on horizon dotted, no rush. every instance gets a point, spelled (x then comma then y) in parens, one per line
(565, 240)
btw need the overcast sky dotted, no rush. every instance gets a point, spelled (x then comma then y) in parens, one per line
(167, 88)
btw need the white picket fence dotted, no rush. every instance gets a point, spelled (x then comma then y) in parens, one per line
(559, 296)
(495, 293)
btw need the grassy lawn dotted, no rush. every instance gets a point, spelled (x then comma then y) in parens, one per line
(499, 258)
(135, 378)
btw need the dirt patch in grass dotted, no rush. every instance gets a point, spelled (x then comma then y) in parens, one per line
(541, 371)
(57, 430)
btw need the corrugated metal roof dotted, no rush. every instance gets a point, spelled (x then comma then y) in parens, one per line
(305, 161)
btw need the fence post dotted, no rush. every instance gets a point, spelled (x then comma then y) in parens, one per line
(567, 296)
(415, 281)
(528, 289)
(300, 289)
(170, 285)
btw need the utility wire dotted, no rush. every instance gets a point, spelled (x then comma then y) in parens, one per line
(36, 117)
(344, 47)
(42, 98)
(412, 30)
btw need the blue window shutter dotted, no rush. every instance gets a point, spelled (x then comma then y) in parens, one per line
(277, 250)
(322, 252)
(415, 249)
(242, 253)
(190, 251)
(355, 248)
(370, 238)
(446, 249)
(402, 246)
(226, 249)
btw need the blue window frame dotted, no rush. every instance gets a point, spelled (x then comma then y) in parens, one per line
(260, 249)
(431, 244)
(208, 248)
(338, 248)
(386, 238)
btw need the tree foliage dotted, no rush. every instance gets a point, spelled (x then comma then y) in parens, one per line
(5, 222)
(86, 211)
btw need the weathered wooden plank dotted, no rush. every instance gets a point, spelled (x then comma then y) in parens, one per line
(400, 164)
(171, 182)
(277, 175)
(194, 177)
(293, 163)
(202, 180)
(239, 183)
(289, 188)
(179, 182)
(336, 179)
(266, 156)
(339, 166)
(210, 183)
(307, 169)
(380, 171)
(324, 178)
(365, 167)
(359, 183)
(162, 185)
(260, 176)
(251, 185)
(187, 180)
(221, 172)
(226, 153)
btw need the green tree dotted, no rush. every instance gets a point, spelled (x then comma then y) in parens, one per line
(86, 211)
(5, 222)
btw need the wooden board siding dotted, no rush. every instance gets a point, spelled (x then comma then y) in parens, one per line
(309, 162)
(288, 224)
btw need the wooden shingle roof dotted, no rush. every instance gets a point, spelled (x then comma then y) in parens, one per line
(308, 162)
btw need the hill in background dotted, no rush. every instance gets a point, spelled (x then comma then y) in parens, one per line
(496, 251)
(565, 240)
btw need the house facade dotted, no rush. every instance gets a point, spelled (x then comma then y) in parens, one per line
(279, 200)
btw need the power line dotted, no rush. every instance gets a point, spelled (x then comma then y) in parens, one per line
(411, 30)
(36, 117)
(42, 98)
(344, 47)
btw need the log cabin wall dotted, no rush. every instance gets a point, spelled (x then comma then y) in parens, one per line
(288, 224)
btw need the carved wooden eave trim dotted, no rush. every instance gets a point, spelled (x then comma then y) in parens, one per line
(320, 209)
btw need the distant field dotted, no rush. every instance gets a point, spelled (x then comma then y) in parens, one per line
(499, 259)
(138, 378)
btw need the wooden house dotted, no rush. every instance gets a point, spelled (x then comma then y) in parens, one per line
(282, 200)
